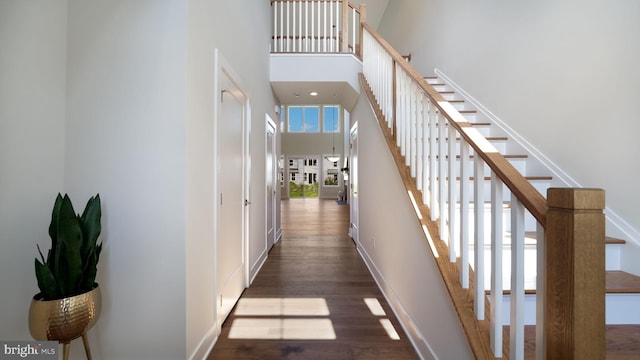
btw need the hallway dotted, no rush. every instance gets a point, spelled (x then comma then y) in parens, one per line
(314, 297)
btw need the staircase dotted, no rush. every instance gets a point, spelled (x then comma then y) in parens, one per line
(622, 288)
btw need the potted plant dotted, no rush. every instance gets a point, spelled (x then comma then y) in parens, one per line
(68, 303)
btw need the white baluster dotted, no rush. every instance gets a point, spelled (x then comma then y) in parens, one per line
(354, 28)
(288, 17)
(324, 45)
(274, 47)
(433, 161)
(419, 140)
(464, 214)
(540, 274)
(478, 236)
(293, 28)
(496, 265)
(452, 192)
(516, 330)
(442, 174)
(306, 27)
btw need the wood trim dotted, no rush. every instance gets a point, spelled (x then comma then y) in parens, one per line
(519, 186)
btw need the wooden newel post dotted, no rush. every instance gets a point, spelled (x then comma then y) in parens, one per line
(574, 294)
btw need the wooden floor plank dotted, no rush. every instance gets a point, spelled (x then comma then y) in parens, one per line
(317, 259)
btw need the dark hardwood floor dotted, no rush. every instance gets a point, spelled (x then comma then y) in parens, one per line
(308, 301)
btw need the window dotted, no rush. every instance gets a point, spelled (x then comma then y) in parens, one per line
(331, 119)
(304, 119)
(331, 172)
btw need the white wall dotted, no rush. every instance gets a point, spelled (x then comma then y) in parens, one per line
(548, 69)
(32, 113)
(393, 244)
(126, 140)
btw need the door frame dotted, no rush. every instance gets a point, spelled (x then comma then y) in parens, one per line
(271, 128)
(221, 65)
(353, 184)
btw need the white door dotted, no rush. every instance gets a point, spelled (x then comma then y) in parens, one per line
(353, 183)
(230, 251)
(271, 181)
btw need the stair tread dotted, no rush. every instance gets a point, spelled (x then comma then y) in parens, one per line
(490, 138)
(531, 178)
(508, 156)
(472, 124)
(607, 239)
(616, 282)
(621, 282)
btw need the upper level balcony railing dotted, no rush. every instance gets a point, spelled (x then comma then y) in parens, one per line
(316, 26)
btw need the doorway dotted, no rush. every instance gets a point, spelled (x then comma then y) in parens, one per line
(271, 174)
(353, 182)
(304, 174)
(231, 188)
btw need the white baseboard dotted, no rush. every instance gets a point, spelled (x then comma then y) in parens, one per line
(255, 268)
(415, 336)
(205, 345)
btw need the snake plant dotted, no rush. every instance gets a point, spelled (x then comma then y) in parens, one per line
(71, 264)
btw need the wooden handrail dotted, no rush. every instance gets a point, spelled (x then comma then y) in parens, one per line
(518, 184)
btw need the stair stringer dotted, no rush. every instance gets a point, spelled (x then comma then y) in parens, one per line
(476, 331)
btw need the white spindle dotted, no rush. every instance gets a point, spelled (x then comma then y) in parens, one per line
(306, 27)
(324, 34)
(433, 160)
(442, 175)
(281, 47)
(293, 28)
(274, 43)
(313, 34)
(464, 214)
(336, 27)
(540, 290)
(420, 140)
(399, 111)
(496, 265)
(354, 29)
(478, 235)
(332, 28)
(426, 192)
(406, 124)
(414, 129)
(452, 192)
(516, 330)
(288, 39)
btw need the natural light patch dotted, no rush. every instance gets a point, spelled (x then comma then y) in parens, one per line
(388, 327)
(374, 306)
(430, 240)
(289, 329)
(415, 205)
(282, 307)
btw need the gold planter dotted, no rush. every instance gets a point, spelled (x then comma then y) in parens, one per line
(65, 319)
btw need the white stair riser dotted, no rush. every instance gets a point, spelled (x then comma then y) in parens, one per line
(620, 309)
